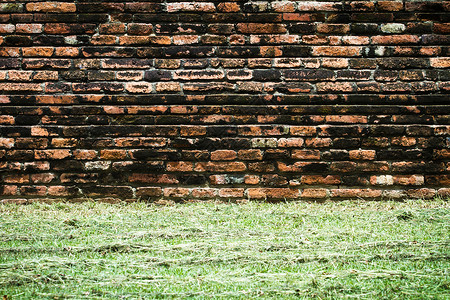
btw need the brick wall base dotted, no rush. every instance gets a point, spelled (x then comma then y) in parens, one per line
(265, 100)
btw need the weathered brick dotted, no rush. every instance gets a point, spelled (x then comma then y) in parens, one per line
(54, 7)
(191, 7)
(138, 87)
(223, 155)
(231, 193)
(306, 154)
(272, 193)
(355, 193)
(228, 7)
(52, 154)
(315, 193)
(348, 51)
(176, 192)
(264, 28)
(325, 97)
(220, 167)
(202, 193)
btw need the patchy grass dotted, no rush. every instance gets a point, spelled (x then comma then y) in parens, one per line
(364, 250)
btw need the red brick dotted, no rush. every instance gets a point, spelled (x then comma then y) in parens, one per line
(300, 166)
(56, 7)
(321, 179)
(333, 28)
(191, 7)
(37, 165)
(33, 190)
(305, 154)
(403, 141)
(283, 6)
(440, 62)
(7, 120)
(264, 28)
(318, 142)
(198, 75)
(301, 17)
(251, 154)
(111, 154)
(237, 39)
(272, 193)
(218, 179)
(185, 39)
(355, 40)
(141, 87)
(84, 154)
(149, 192)
(441, 154)
(355, 193)
(336, 51)
(16, 178)
(23, 87)
(79, 178)
(192, 130)
(220, 167)
(104, 40)
(228, 7)
(346, 119)
(444, 192)
(42, 177)
(153, 178)
(437, 28)
(423, 193)
(9, 190)
(231, 193)
(176, 192)
(316, 6)
(223, 155)
(335, 87)
(38, 51)
(204, 193)
(139, 29)
(390, 5)
(186, 109)
(58, 191)
(362, 154)
(315, 193)
(290, 142)
(303, 130)
(408, 179)
(112, 28)
(395, 39)
(362, 6)
(261, 167)
(180, 166)
(52, 154)
(251, 179)
(173, 87)
(6, 143)
(7, 28)
(67, 51)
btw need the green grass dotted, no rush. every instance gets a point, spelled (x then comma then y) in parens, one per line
(355, 250)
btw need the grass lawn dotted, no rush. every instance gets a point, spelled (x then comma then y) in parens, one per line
(361, 250)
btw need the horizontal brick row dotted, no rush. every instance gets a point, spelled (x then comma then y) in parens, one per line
(220, 6)
(225, 99)
(263, 113)
(143, 87)
(117, 193)
(428, 47)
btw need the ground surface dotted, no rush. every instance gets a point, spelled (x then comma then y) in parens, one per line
(368, 250)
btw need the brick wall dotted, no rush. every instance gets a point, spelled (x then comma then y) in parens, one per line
(231, 100)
